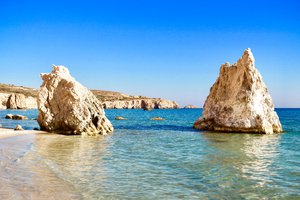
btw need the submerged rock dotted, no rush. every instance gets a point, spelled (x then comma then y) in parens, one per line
(65, 106)
(157, 118)
(147, 109)
(239, 101)
(120, 118)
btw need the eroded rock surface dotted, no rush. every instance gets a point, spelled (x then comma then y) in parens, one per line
(16, 101)
(65, 106)
(239, 101)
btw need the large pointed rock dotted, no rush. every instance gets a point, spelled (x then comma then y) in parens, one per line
(239, 101)
(65, 106)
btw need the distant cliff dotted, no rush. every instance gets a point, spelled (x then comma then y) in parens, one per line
(19, 97)
(143, 103)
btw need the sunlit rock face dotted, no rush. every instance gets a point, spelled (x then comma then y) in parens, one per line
(141, 104)
(65, 106)
(20, 101)
(239, 101)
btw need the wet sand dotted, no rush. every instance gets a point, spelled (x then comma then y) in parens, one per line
(24, 173)
(5, 132)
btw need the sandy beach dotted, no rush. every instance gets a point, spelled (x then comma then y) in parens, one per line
(5, 132)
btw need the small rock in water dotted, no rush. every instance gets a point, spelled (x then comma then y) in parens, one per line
(36, 129)
(120, 118)
(18, 128)
(157, 118)
(147, 109)
(15, 117)
(8, 116)
(19, 117)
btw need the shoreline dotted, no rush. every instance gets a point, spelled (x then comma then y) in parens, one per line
(7, 132)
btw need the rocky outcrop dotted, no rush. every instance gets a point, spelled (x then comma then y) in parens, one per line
(239, 101)
(17, 97)
(153, 103)
(190, 107)
(65, 106)
(20, 101)
(14, 97)
(16, 101)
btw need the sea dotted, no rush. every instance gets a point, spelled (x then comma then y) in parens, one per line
(145, 159)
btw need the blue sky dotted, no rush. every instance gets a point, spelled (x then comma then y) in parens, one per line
(169, 49)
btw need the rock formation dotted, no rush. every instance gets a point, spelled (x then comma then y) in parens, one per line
(16, 117)
(9, 116)
(152, 103)
(16, 101)
(65, 106)
(3, 100)
(239, 101)
(190, 107)
(17, 97)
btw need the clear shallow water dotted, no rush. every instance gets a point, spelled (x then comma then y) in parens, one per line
(146, 159)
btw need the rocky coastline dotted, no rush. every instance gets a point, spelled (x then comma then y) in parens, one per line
(190, 107)
(19, 97)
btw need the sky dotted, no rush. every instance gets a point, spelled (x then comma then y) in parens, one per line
(168, 49)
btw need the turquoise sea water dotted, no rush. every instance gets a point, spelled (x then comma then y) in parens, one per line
(146, 159)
